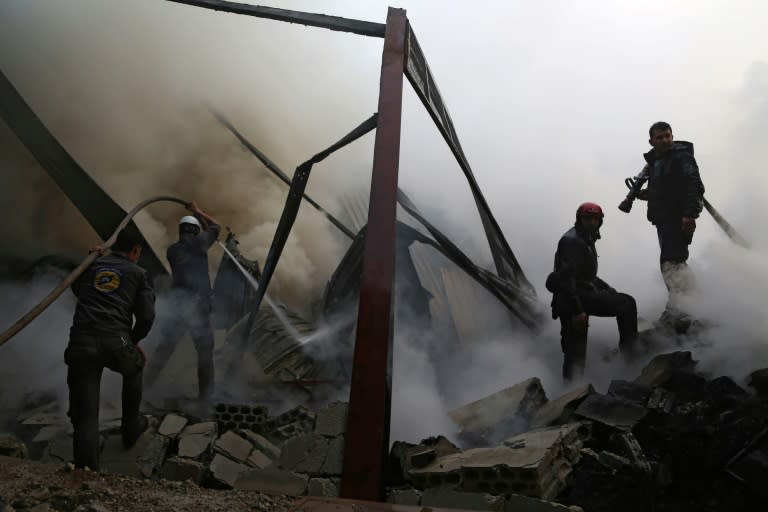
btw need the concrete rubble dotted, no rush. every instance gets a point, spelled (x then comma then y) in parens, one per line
(672, 439)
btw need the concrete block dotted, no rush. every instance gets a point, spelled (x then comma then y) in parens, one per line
(59, 449)
(631, 449)
(142, 460)
(195, 440)
(612, 461)
(262, 444)
(441, 497)
(664, 366)
(233, 446)
(611, 411)
(258, 460)
(12, 446)
(629, 391)
(560, 410)
(410, 497)
(331, 420)
(536, 463)
(226, 471)
(178, 469)
(322, 487)
(504, 413)
(661, 400)
(172, 425)
(273, 481)
(49, 433)
(306, 453)
(334, 460)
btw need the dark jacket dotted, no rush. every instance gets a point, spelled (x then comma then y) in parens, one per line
(675, 189)
(575, 272)
(109, 294)
(189, 261)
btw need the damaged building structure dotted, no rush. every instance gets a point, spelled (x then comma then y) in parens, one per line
(671, 439)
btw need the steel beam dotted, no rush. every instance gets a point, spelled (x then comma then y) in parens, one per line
(367, 439)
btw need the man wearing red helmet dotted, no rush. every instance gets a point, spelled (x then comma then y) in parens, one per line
(578, 293)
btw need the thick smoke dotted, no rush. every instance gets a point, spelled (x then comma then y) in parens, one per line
(552, 110)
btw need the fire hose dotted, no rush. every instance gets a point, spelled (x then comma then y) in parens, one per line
(54, 294)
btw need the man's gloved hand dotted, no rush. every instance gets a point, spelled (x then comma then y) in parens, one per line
(98, 248)
(580, 324)
(643, 195)
(689, 226)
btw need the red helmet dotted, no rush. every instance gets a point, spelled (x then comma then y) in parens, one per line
(590, 209)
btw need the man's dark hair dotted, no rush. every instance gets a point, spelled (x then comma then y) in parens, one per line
(127, 239)
(658, 125)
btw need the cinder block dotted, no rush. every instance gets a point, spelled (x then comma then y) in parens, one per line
(233, 446)
(226, 471)
(172, 425)
(331, 420)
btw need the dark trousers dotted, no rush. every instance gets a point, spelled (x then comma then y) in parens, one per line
(602, 303)
(191, 316)
(86, 358)
(672, 242)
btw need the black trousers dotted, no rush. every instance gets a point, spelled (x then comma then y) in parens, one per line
(672, 242)
(605, 304)
(86, 357)
(193, 316)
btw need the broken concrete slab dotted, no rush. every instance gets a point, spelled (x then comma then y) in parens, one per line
(504, 413)
(178, 469)
(611, 411)
(334, 460)
(172, 425)
(442, 497)
(560, 410)
(285, 432)
(612, 461)
(257, 459)
(630, 391)
(262, 444)
(422, 457)
(631, 449)
(142, 460)
(273, 481)
(536, 463)
(195, 440)
(323, 487)
(12, 446)
(233, 446)
(306, 453)
(664, 366)
(59, 449)
(331, 420)
(661, 400)
(226, 471)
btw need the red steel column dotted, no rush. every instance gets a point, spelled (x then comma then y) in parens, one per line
(367, 439)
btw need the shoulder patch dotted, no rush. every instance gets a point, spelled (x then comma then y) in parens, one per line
(107, 280)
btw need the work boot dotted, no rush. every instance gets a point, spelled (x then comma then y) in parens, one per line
(131, 435)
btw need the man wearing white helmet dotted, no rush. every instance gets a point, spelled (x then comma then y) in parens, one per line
(192, 293)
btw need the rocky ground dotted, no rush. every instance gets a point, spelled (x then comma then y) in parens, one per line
(39, 487)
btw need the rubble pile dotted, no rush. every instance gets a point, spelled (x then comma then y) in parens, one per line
(671, 439)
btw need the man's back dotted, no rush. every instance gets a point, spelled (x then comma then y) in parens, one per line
(109, 293)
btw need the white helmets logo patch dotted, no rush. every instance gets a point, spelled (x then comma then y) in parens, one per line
(107, 280)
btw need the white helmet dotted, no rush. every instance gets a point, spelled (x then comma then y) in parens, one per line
(190, 219)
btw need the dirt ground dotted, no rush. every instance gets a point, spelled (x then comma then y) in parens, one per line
(34, 486)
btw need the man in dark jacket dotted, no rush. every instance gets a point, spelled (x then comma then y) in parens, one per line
(110, 294)
(675, 196)
(191, 298)
(578, 293)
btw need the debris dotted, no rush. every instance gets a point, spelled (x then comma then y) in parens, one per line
(560, 410)
(404, 497)
(195, 440)
(611, 411)
(758, 380)
(11, 446)
(664, 366)
(226, 471)
(447, 498)
(258, 460)
(323, 487)
(142, 460)
(233, 446)
(504, 413)
(630, 391)
(172, 425)
(262, 443)
(331, 420)
(178, 469)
